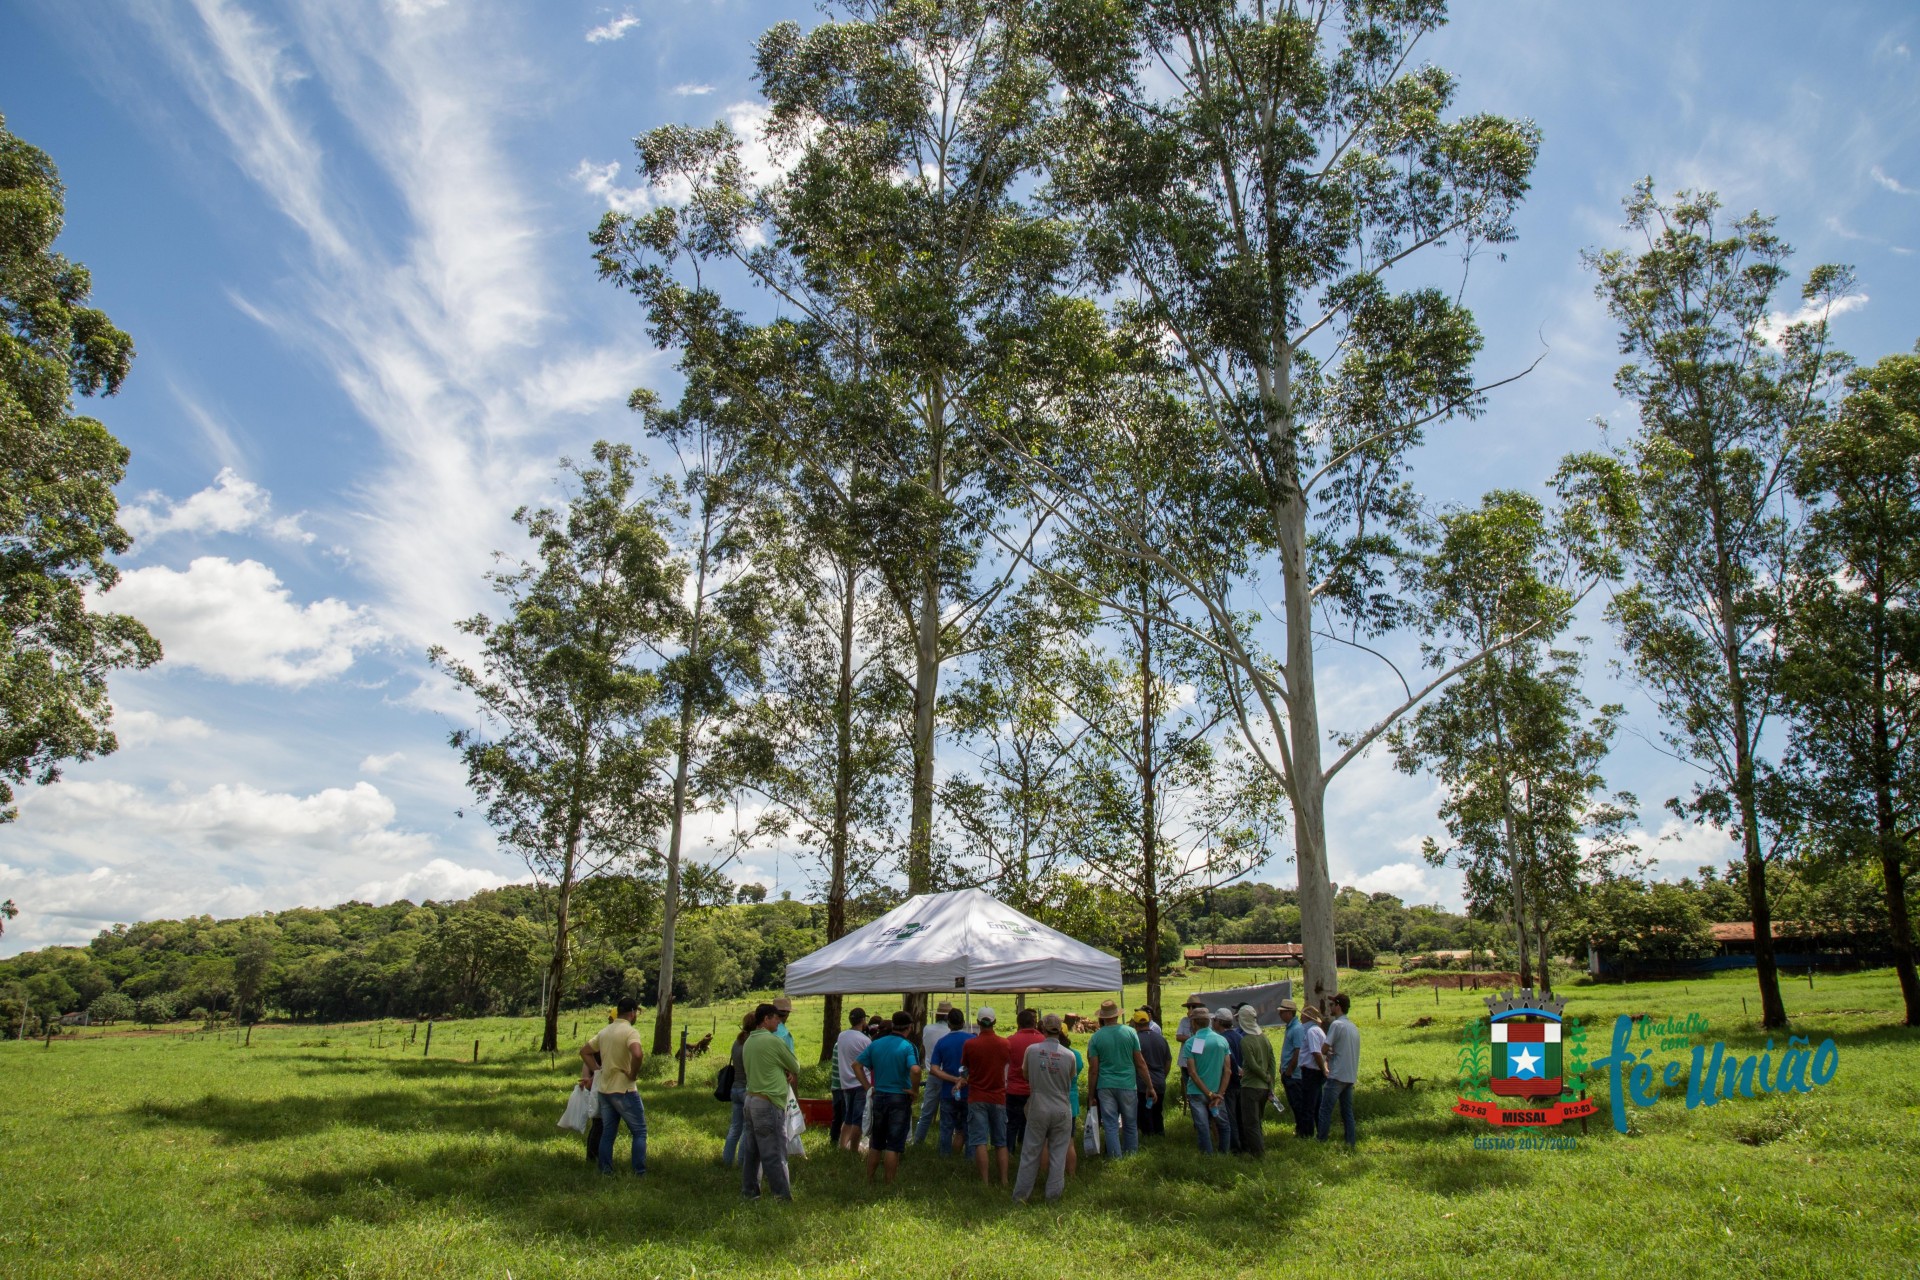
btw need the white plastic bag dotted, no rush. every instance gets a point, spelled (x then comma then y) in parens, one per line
(796, 1125)
(866, 1120)
(579, 1113)
(1092, 1140)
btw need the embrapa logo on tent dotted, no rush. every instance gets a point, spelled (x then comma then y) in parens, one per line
(900, 933)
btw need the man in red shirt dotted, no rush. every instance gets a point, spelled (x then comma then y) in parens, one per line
(1018, 1090)
(985, 1059)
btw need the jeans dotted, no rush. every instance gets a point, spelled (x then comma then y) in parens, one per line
(1253, 1133)
(736, 1126)
(1231, 1094)
(1311, 1083)
(615, 1107)
(1119, 1121)
(1297, 1103)
(1341, 1092)
(764, 1150)
(891, 1114)
(953, 1119)
(1016, 1118)
(856, 1107)
(986, 1126)
(929, 1109)
(1051, 1132)
(1203, 1127)
(1153, 1119)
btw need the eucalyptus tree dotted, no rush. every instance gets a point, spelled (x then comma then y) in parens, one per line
(1509, 739)
(570, 741)
(910, 131)
(824, 742)
(1851, 674)
(1722, 402)
(1258, 177)
(712, 656)
(59, 519)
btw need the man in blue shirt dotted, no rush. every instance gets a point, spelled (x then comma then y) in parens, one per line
(1293, 1056)
(891, 1068)
(1204, 1062)
(944, 1066)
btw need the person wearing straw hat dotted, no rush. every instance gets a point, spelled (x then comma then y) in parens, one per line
(1114, 1066)
(1050, 1069)
(784, 1007)
(1313, 1073)
(1256, 1081)
(1293, 1053)
(1204, 1063)
(1199, 1018)
(931, 1035)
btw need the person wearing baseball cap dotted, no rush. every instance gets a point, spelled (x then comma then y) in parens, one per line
(1151, 1088)
(985, 1057)
(1051, 1069)
(930, 1037)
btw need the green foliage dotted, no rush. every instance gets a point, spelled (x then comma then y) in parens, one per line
(1635, 921)
(110, 1008)
(58, 514)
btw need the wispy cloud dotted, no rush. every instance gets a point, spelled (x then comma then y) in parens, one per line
(614, 30)
(438, 326)
(693, 90)
(1780, 321)
(1891, 183)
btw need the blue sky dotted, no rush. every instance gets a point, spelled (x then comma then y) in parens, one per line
(349, 240)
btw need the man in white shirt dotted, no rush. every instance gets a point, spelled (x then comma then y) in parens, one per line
(1343, 1071)
(935, 1031)
(849, 1099)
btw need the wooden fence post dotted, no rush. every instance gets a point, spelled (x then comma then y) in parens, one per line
(476, 1051)
(683, 1055)
(429, 1045)
(249, 1043)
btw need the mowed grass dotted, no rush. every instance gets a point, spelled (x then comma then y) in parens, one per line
(314, 1153)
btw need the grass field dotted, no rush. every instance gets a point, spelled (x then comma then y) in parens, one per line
(313, 1152)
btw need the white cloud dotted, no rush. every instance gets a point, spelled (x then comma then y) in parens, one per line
(1409, 881)
(236, 621)
(762, 165)
(136, 728)
(1777, 324)
(614, 30)
(692, 90)
(380, 764)
(1891, 183)
(601, 182)
(231, 504)
(441, 880)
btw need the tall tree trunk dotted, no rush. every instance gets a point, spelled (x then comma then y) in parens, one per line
(842, 796)
(1892, 857)
(926, 685)
(682, 769)
(1149, 813)
(557, 967)
(1773, 1010)
(1306, 782)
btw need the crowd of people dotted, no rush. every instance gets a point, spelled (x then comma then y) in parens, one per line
(982, 1096)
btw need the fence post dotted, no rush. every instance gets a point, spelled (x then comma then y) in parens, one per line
(683, 1056)
(476, 1051)
(1376, 1011)
(249, 1043)
(428, 1048)
(1436, 993)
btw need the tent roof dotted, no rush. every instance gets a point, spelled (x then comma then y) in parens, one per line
(966, 940)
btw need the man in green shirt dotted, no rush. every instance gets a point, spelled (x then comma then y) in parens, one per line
(1256, 1082)
(771, 1071)
(1204, 1063)
(1114, 1068)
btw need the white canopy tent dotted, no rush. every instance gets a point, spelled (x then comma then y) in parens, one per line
(966, 940)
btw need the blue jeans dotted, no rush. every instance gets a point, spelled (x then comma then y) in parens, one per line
(986, 1126)
(615, 1107)
(1119, 1121)
(953, 1119)
(1336, 1091)
(929, 1108)
(891, 1114)
(736, 1126)
(1203, 1125)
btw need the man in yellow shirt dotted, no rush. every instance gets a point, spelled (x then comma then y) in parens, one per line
(615, 1055)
